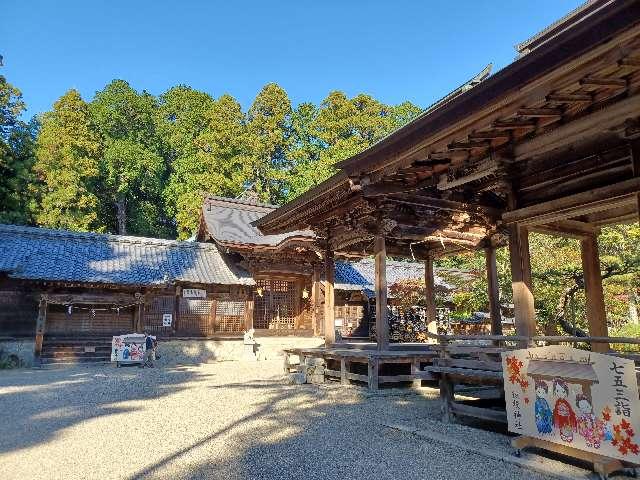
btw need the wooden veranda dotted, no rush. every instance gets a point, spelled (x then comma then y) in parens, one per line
(549, 144)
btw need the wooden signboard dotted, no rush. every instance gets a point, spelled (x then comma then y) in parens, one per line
(194, 293)
(574, 398)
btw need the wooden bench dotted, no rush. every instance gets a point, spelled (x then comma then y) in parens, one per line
(373, 359)
(463, 365)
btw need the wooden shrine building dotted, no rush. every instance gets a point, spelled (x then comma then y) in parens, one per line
(550, 143)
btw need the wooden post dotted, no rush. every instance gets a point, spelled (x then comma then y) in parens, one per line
(40, 325)
(430, 296)
(525, 314)
(329, 301)
(494, 290)
(372, 371)
(343, 372)
(382, 323)
(596, 313)
(139, 314)
(176, 308)
(315, 299)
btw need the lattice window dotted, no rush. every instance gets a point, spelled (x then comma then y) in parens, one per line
(230, 316)
(196, 317)
(276, 308)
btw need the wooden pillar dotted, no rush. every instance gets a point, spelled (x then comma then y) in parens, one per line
(521, 281)
(139, 314)
(493, 290)
(382, 323)
(596, 314)
(176, 308)
(40, 325)
(430, 296)
(315, 299)
(329, 300)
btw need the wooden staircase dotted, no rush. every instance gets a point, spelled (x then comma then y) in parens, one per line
(73, 350)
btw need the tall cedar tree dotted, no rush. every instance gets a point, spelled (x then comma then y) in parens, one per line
(17, 144)
(68, 152)
(132, 171)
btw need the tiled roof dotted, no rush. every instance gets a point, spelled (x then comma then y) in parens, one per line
(230, 222)
(361, 275)
(60, 255)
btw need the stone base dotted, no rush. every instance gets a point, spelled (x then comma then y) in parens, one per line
(17, 351)
(194, 351)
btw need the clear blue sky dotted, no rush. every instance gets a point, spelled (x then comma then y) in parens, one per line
(394, 50)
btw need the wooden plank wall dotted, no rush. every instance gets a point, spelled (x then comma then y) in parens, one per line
(18, 313)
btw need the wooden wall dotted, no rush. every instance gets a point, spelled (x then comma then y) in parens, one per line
(18, 312)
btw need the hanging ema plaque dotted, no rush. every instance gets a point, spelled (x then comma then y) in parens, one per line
(572, 397)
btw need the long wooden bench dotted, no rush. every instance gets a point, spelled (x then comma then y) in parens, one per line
(373, 359)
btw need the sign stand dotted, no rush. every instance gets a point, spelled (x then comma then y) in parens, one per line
(603, 466)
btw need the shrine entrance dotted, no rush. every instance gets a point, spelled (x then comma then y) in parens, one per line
(276, 304)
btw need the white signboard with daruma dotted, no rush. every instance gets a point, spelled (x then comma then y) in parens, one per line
(167, 319)
(572, 397)
(194, 293)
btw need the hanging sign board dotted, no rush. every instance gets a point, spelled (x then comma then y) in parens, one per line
(578, 398)
(194, 293)
(166, 319)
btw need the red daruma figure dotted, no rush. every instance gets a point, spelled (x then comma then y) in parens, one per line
(564, 418)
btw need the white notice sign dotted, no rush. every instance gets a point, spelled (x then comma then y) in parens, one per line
(194, 293)
(166, 319)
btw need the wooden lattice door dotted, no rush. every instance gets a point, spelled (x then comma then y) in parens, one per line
(275, 304)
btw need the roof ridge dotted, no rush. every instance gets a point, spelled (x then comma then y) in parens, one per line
(239, 201)
(108, 237)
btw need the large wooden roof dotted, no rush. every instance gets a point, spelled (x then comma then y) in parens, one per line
(521, 146)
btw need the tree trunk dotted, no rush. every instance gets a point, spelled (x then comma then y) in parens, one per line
(121, 215)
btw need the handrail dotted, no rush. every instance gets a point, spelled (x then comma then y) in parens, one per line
(520, 338)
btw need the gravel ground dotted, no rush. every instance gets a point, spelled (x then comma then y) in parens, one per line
(228, 420)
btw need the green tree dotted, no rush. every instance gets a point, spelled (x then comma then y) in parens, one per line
(68, 152)
(132, 171)
(266, 167)
(17, 144)
(214, 167)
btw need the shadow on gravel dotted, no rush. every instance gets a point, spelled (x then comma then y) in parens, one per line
(41, 403)
(301, 432)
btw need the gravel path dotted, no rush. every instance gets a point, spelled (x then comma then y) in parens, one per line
(228, 420)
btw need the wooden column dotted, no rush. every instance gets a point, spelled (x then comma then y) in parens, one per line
(430, 298)
(521, 281)
(596, 314)
(329, 301)
(493, 290)
(315, 299)
(40, 325)
(139, 314)
(382, 323)
(176, 308)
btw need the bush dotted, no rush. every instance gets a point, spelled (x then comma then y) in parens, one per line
(629, 330)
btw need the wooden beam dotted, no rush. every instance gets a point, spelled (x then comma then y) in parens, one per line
(468, 145)
(40, 326)
(450, 205)
(430, 292)
(493, 290)
(596, 313)
(315, 299)
(329, 300)
(579, 129)
(604, 82)
(569, 98)
(566, 228)
(540, 112)
(390, 188)
(382, 323)
(595, 200)
(489, 135)
(525, 314)
(514, 124)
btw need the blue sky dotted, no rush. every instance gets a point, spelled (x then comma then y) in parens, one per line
(395, 50)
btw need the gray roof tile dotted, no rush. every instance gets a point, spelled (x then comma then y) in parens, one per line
(60, 255)
(230, 221)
